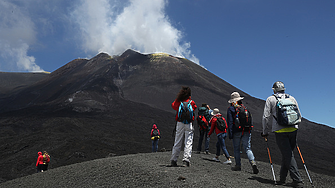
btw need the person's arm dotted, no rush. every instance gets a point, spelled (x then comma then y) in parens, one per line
(266, 117)
(175, 105)
(230, 122)
(212, 122)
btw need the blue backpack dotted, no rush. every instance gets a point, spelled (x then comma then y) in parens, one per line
(185, 112)
(287, 111)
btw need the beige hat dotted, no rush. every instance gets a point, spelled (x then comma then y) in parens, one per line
(235, 96)
(216, 111)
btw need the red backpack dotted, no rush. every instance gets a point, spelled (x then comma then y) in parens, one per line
(202, 122)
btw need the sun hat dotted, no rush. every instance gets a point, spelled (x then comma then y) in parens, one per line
(216, 111)
(235, 96)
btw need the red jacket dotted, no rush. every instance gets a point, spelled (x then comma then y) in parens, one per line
(153, 128)
(175, 105)
(39, 159)
(213, 124)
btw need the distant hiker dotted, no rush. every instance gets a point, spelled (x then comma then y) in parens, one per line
(184, 128)
(155, 136)
(219, 124)
(286, 135)
(39, 163)
(240, 125)
(203, 118)
(46, 160)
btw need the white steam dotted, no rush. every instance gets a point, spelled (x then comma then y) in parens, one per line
(16, 35)
(140, 25)
(111, 26)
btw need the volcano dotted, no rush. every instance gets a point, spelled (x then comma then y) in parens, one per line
(105, 106)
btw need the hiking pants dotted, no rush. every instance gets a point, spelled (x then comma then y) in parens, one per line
(203, 133)
(155, 145)
(221, 145)
(181, 131)
(286, 143)
(245, 138)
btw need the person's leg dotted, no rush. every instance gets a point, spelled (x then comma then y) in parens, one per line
(188, 131)
(288, 162)
(246, 143)
(218, 147)
(178, 141)
(294, 172)
(153, 146)
(156, 146)
(201, 137)
(207, 138)
(222, 138)
(246, 139)
(236, 144)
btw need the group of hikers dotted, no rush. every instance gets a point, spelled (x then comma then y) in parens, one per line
(280, 107)
(43, 160)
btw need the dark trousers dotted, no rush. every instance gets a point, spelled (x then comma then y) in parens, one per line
(203, 134)
(286, 143)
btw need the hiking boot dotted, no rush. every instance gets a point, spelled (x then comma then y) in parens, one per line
(174, 163)
(255, 169)
(236, 168)
(280, 182)
(186, 163)
(296, 184)
(216, 159)
(227, 162)
(207, 153)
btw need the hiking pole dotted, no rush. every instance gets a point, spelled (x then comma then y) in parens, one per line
(273, 172)
(303, 162)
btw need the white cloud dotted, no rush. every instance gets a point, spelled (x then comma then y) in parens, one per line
(17, 33)
(112, 27)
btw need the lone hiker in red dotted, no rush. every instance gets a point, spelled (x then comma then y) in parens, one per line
(39, 163)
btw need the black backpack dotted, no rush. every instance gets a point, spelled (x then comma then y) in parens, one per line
(155, 132)
(185, 112)
(243, 118)
(221, 123)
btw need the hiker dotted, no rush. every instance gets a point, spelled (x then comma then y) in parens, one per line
(39, 163)
(155, 136)
(203, 123)
(46, 160)
(286, 135)
(240, 132)
(184, 126)
(219, 124)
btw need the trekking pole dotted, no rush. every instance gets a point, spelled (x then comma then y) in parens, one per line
(273, 172)
(303, 162)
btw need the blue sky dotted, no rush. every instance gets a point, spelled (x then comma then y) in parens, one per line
(248, 43)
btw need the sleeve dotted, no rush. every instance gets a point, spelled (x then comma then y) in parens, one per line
(213, 125)
(194, 106)
(230, 123)
(266, 116)
(151, 132)
(159, 133)
(175, 105)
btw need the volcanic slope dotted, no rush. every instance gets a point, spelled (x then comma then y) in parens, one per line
(150, 170)
(106, 105)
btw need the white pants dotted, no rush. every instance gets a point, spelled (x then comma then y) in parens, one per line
(181, 130)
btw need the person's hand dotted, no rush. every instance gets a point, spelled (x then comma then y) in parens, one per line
(265, 136)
